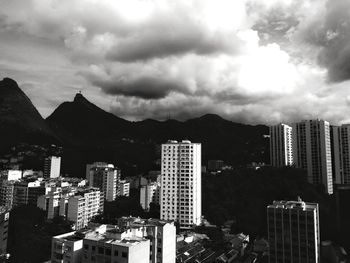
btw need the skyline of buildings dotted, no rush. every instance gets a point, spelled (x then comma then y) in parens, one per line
(181, 197)
(312, 150)
(180, 201)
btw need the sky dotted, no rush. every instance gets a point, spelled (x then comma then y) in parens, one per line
(250, 61)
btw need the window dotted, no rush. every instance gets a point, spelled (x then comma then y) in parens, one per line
(124, 254)
(116, 253)
(86, 247)
(108, 251)
(101, 250)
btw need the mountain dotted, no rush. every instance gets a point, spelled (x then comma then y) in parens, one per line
(80, 122)
(89, 134)
(19, 119)
(93, 134)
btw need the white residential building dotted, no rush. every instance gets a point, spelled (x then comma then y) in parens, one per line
(281, 145)
(116, 245)
(341, 153)
(67, 247)
(312, 152)
(84, 205)
(104, 176)
(293, 232)
(149, 194)
(181, 196)
(162, 235)
(52, 166)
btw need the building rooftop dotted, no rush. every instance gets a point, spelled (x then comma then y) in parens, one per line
(136, 221)
(299, 204)
(103, 237)
(71, 236)
(178, 142)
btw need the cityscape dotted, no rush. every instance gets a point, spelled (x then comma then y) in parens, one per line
(112, 215)
(185, 131)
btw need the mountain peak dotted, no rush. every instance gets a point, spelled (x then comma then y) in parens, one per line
(9, 81)
(79, 98)
(20, 120)
(8, 85)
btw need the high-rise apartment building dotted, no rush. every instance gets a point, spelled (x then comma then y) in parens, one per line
(149, 194)
(312, 152)
(341, 153)
(104, 176)
(181, 196)
(52, 167)
(281, 145)
(293, 232)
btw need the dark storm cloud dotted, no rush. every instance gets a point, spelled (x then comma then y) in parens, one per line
(142, 87)
(331, 33)
(167, 42)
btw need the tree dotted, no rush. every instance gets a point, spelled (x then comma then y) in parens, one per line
(30, 234)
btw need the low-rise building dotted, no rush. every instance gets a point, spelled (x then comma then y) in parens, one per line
(114, 245)
(162, 234)
(67, 248)
(132, 240)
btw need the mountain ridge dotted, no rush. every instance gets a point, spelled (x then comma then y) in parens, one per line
(89, 133)
(138, 141)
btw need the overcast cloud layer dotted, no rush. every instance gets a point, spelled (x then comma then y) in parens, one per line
(253, 61)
